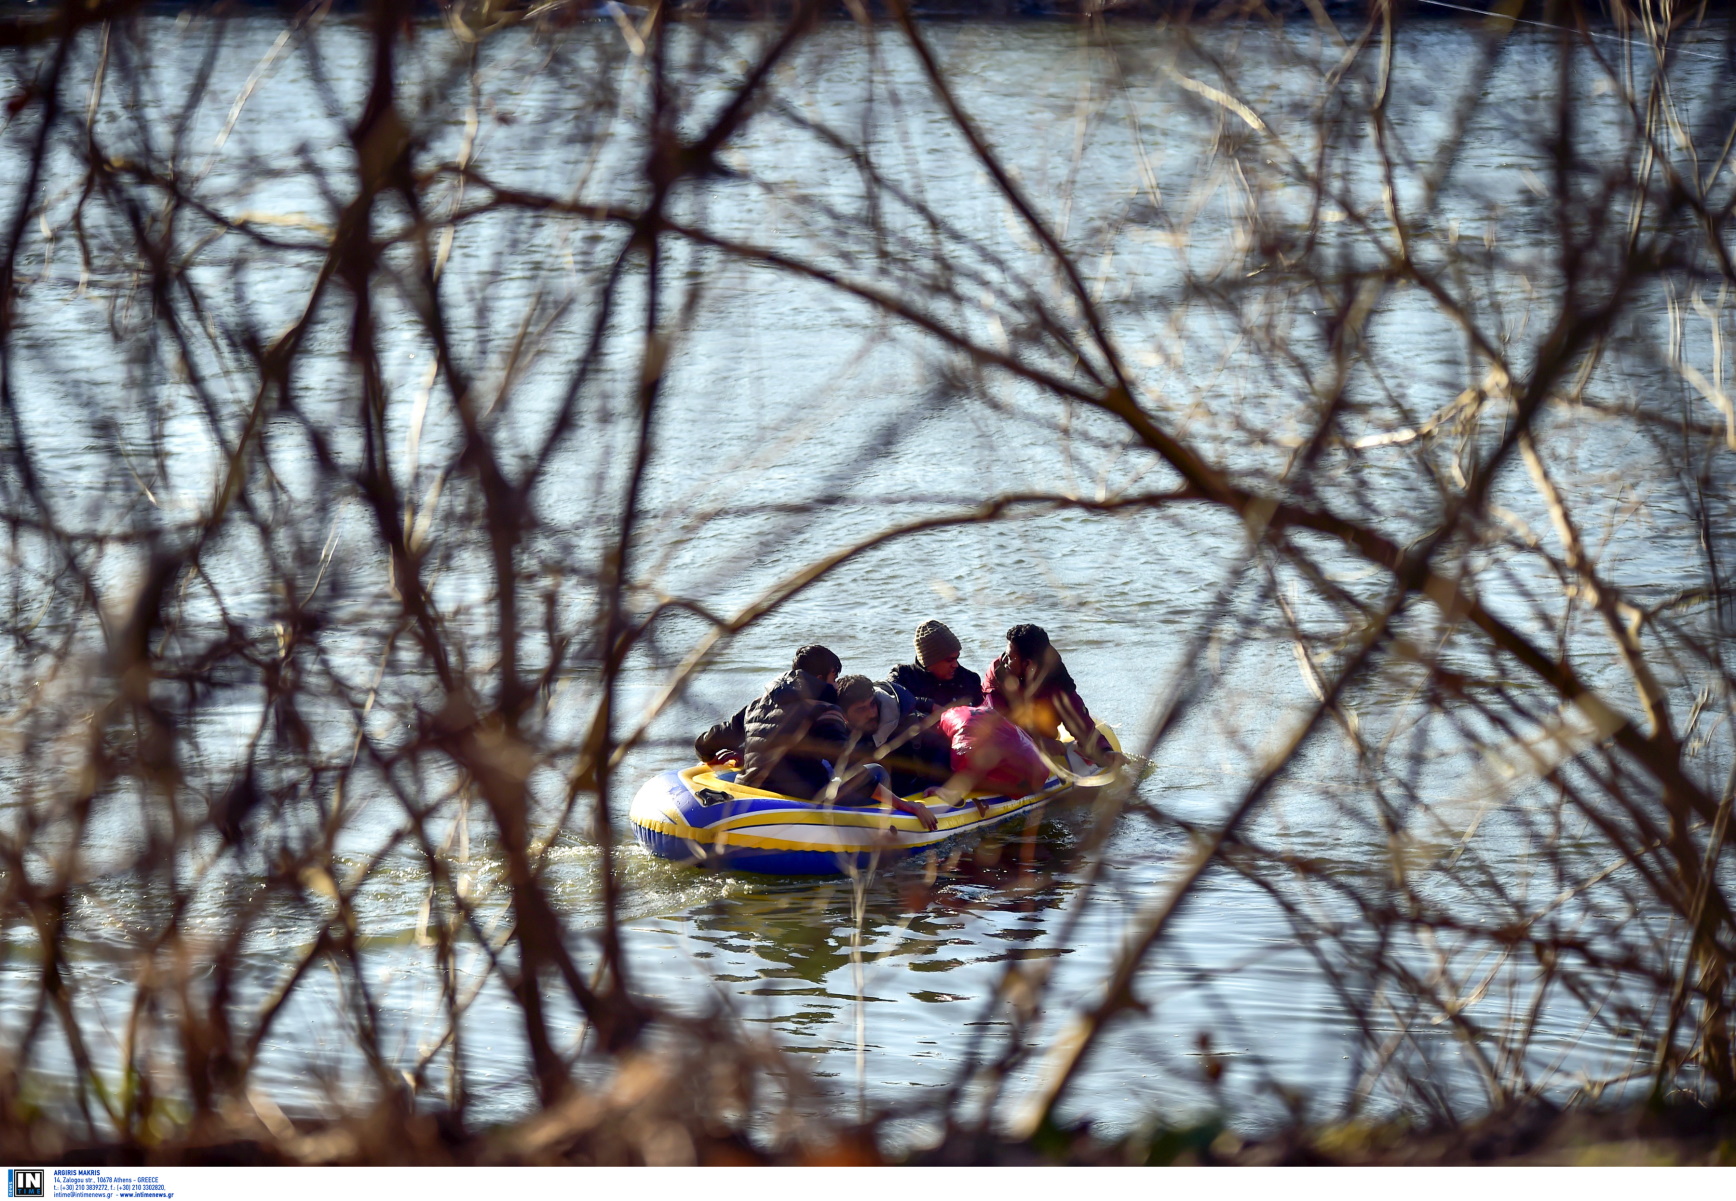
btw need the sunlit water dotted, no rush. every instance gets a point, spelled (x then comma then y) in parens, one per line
(782, 392)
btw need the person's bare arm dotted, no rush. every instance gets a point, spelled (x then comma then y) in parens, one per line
(1091, 744)
(916, 809)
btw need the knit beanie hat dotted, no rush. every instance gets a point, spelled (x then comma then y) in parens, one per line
(934, 642)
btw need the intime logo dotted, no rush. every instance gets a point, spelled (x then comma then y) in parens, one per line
(24, 1182)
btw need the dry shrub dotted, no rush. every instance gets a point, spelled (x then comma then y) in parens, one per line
(335, 545)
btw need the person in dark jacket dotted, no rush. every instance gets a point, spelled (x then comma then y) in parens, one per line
(801, 745)
(725, 742)
(1031, 685)
(935, 678)
(795, 735)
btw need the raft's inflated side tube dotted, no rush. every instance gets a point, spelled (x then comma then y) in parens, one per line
(698, 816)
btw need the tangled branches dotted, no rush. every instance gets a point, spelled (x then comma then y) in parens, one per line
(402, 415)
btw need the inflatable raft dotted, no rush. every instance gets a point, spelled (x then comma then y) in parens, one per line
(704, 816)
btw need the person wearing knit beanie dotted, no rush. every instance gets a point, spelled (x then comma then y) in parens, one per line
(936, 679)
(935, 645)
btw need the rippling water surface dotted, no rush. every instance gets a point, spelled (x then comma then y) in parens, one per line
(783, 392)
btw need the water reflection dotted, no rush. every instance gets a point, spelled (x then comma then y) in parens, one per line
(906, 963)
(1004, 886)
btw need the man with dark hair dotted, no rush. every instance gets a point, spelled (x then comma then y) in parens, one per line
(1031, 685)
(794, 733)
(725, 742)
(935, 678)
(800, 745)
(895, 729)
(856, 699)
(816, 660)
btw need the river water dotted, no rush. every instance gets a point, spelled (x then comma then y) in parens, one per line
(781, 393)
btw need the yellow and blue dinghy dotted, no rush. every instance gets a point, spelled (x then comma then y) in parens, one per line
(706, 817)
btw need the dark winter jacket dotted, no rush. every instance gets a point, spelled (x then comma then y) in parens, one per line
(730, 735)
(795, 737)
(727, 736)
(965, 687)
